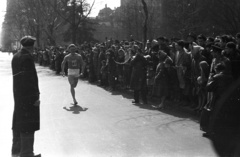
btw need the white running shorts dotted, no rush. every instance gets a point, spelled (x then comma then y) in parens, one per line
(74, 72)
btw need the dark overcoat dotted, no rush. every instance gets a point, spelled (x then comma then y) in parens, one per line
(218, 84)
(26, 116)
(139, 76)
(161, 80)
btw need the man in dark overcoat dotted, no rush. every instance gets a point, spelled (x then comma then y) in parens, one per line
(26, 115)
(138, 78)
(217, 84)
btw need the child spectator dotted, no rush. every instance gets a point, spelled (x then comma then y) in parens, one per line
(202, 82)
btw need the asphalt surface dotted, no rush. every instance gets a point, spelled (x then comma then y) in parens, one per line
(111, 126)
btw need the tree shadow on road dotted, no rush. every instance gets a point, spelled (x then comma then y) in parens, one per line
(76, 109)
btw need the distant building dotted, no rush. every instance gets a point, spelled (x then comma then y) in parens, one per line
(106, 27)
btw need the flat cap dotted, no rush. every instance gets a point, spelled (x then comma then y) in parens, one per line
(27, 40)
(71, 45)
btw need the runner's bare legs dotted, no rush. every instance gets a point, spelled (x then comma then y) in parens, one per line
(72, 89)
(73, 95)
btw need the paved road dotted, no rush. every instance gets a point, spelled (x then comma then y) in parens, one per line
(111, 127)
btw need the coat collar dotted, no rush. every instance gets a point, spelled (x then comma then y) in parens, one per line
(25, 51)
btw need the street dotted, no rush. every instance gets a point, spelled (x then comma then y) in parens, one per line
(110, 127)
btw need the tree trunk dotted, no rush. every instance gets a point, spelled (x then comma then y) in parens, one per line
(73, 22)
(145, 23)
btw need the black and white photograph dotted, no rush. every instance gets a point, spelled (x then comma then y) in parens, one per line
(119, 78)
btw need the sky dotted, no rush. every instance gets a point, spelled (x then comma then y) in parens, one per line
(2, 13)
(2, 10)
(99, 4)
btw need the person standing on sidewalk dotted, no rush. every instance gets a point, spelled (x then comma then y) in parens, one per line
(26, 115)
(139, 76)
(74, 62)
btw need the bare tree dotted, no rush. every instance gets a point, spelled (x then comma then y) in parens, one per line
(75, 10)
(145, 22)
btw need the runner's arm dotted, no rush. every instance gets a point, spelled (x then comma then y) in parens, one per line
(63, 64)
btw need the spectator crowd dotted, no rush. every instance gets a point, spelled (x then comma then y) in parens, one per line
(194, 72)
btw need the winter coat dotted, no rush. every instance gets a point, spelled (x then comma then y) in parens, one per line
(161, 80)
(234, 58)
(183, 60)
(138, 77)
(218, 84)
(26, 116)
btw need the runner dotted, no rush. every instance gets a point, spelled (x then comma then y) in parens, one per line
(74, 61)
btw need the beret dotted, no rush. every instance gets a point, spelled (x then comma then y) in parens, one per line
(27, 40)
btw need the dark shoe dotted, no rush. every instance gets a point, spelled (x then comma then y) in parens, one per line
(161, 108)
(145, 103)
(199, 111)
(196, 109)
(135, 102)
(158, 106)
(39, 155)
(194, 106)
(208, 134)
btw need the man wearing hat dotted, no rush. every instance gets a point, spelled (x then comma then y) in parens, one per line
(238, 42)
(191, 37)
(138, 81)
(162, 42)
(217, 85)
(232, 54)
(219, 58)
(26, 117)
